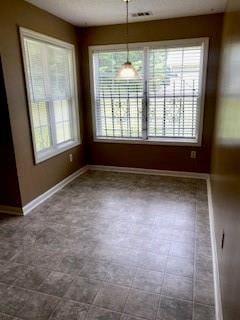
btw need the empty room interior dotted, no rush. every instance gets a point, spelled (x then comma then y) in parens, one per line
(120, 160)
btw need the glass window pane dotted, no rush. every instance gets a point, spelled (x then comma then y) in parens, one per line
(63, 132)
(62, 120)
(41, 125)
(173, 85)
(118, 102)
(59, 72)
(36, 70)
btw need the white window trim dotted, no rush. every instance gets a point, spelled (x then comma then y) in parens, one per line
(155, 44)
(41, 156)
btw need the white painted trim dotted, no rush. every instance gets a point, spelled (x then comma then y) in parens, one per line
(151, 141)
(156, 172)
(217, 290)
(44, 38)
(16, 211)
(174, 43)
(44, 196)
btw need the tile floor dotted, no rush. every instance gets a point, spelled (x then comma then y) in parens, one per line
(110, 246)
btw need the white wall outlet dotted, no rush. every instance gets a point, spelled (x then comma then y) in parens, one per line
(193, 155)
(70, 157)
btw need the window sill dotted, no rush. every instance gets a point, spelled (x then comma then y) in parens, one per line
(152, 141)
(54, 152)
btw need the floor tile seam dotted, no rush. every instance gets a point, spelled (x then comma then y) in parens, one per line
(124, 304)
(29, 269)
(164, 275)
(12, 257)
(7, 285)
(35, 265)
(64, 274)
(22, 304)
(34, 291)
(104, 308)
(157, 254)
(100, 283)
(129, 291)
(204, 304)
(174, 298)
(127, 247)
(64, 299)
(159, 302)
(179, 275)
(110, 310)
(182, 242)
(202, 279)
(137, 316)
(31, 264)
(194, 271)
(10, 315)
(55, 308)
(182, 256)
(9, 264)
(130, 287)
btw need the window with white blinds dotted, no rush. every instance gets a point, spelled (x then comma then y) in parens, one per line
(165, 105)
(52, 93)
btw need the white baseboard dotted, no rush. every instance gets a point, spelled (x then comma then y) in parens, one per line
(182, 174)
(217, 290)
(44, 196)
(16, 211)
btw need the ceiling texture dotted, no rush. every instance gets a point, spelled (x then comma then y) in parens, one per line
(103, 12)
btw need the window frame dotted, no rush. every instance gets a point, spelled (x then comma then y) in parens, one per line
(57, 148)
(204, 41)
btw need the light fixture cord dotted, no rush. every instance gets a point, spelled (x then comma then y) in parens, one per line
(127, 31)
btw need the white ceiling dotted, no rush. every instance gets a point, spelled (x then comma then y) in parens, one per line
(102, 12)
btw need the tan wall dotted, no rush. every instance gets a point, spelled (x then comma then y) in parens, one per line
(226, 165)
(33, 179)
(149, 156)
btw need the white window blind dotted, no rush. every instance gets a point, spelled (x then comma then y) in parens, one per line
(165, 104)
(50, 79)
(118, 104)
(173, 87)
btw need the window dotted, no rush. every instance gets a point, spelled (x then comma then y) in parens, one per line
(164, 106)
(52, 93)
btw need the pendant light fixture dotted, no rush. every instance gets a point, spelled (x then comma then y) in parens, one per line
(127, 70)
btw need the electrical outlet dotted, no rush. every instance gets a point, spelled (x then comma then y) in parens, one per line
(193, 154)
(70, 157)
(223, 239)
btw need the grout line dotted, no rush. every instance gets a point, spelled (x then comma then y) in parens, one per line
(164, 275)
(35, 291)
(10, 315)
(130, 289)
(54, 309)
(195, 254)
